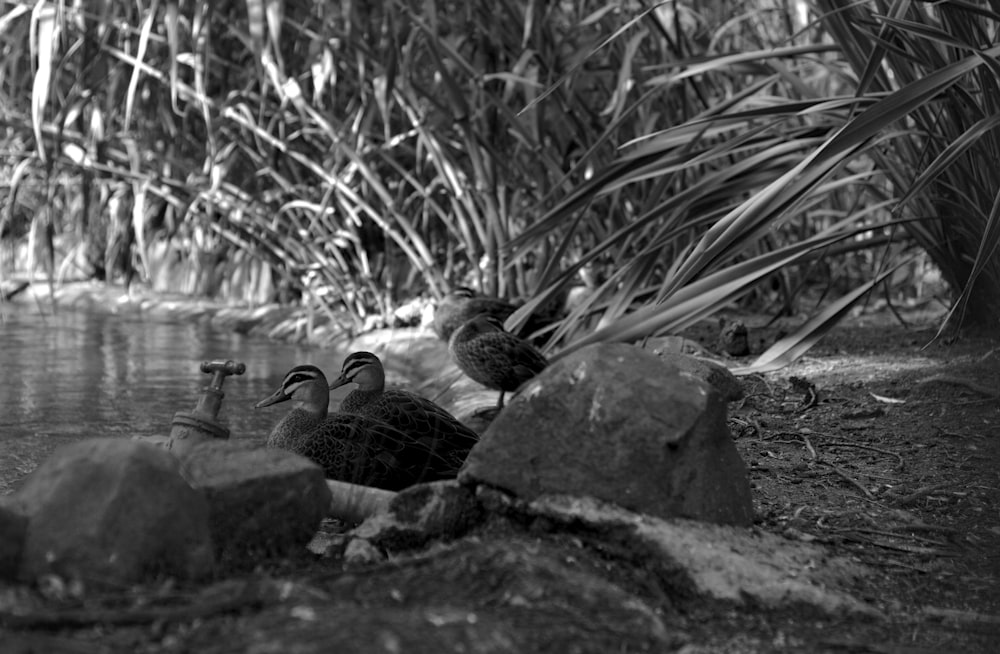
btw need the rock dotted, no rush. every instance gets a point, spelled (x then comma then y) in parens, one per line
(330, 539)
(111, 512)
(734, 338)
(723, 562)
(615, 422)
(441, 510)
(13, 528)
(707, 370)
(359, 552)
(262, 502)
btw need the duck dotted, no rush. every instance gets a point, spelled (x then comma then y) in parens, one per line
(463, 304)
(494, 357)
(418, 417)
(350, 448)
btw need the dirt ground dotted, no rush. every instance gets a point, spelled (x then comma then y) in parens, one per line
(882, 444)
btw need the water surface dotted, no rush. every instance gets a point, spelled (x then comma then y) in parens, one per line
(78, 374)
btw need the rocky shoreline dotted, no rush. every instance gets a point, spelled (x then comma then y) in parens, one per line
(509, 558)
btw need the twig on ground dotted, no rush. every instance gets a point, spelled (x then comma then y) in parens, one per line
(922, 492)
(960, 381)
(891, 534)
(909, 549)
(854, 482)
(920, 526)
(988, 355)
(743, 427)
(809, 446)
(899, 457)
(900, 564)
(971, 618)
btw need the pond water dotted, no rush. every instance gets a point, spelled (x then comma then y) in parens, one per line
(77, 374)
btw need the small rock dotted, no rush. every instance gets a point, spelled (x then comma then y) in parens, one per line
(615, 422)
(262, 502)
(436, 510)
(112, 511)
(443, 508)
(13, 528)
(360, 552)
(733, 338)
(329, 542)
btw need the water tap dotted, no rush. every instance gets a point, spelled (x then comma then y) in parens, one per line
(202, 424)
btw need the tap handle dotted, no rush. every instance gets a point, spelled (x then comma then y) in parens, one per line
(221, 369)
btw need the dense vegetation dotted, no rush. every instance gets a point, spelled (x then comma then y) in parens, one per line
(671, 158)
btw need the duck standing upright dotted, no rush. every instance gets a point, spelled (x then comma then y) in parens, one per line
(494, 357)
(417, 417)
(351, 448)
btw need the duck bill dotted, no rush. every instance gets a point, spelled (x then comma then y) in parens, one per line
(274, 398)
(338, 382)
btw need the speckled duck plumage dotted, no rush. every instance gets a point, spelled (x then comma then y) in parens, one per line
(416, 416)
(352, 448)
(464, 304)
(493, 357)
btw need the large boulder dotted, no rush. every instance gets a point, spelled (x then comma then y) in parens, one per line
(615, 422)
(110, 512)
(707, 370)
(262, 502)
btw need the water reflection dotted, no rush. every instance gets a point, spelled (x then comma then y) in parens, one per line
(80, 374)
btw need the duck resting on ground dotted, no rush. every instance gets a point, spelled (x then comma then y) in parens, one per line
(494, 357)
(417, 417)
(351, 448)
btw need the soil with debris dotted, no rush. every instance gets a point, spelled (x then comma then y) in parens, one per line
(883, 444)
(879, 444)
